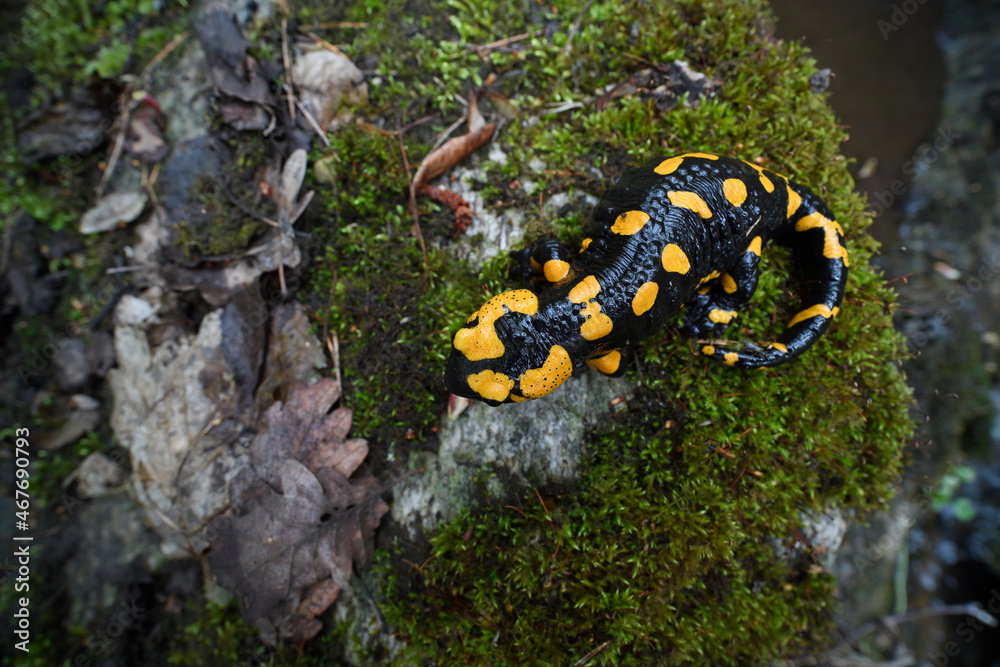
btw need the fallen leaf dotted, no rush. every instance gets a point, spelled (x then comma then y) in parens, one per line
(324, 79)
(145, 132)
(234, 72)
(299, 525)
(666, 84)
(443, 158)
(113, 209)
(450, 153)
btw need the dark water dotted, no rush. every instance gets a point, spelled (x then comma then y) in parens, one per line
(887, 85)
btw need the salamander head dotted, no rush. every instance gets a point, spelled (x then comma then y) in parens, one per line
(494, 354)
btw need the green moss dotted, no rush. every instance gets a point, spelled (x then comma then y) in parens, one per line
(65, 42)
(392, 316)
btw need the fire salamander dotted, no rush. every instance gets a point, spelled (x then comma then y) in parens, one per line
(685, 230)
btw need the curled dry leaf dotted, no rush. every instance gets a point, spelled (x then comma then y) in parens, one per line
(145, 131)
(298, 525)
(450, 153)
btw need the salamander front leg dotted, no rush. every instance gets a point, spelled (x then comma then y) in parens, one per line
(545, 262)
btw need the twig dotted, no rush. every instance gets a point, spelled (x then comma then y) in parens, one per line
(447, 133)
(332, 345)
(413, 203)
(126, 113)
(240, 205)
(585, 659)
(576, 27)
(323, 43)
(484, 50)
(421, 121)
(334, 24)
(286, 61)
(312, 122)
(968, 609)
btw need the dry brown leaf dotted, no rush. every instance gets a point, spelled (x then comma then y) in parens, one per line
(145, 132)
(299, 525)
(450, 153)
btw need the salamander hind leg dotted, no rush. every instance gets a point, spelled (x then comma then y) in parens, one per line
(545, 262)
(722, 295)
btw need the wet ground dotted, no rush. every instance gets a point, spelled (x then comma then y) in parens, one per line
(888, 77)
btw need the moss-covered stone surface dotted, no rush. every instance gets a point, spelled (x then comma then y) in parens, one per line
(663, 551)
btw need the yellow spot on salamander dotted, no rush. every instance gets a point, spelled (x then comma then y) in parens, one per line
(832, 247)
(728, 284)
(708, 350)
(690, 201)
(755, 245)
(586, 244)
(597, 324)
(585, 290)
(629, 223)
(735, 191)
(794, 200)
(608, 364)
(518, 399)
(764, 180)
(720, 316)
(731, 358)
(670, 165)
(555, 270)
(536, 382)
(674, 260)
(481, 342)
(645, 297)
(819, 309)
(491, 386)
(780, 347)
(535, 266)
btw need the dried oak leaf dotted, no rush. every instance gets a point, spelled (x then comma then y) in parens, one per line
(298, 525)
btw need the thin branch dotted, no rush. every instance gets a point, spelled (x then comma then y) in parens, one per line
(968, 609)
(287, 62)
(576, 27)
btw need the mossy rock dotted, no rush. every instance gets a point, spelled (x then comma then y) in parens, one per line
(662, 551)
